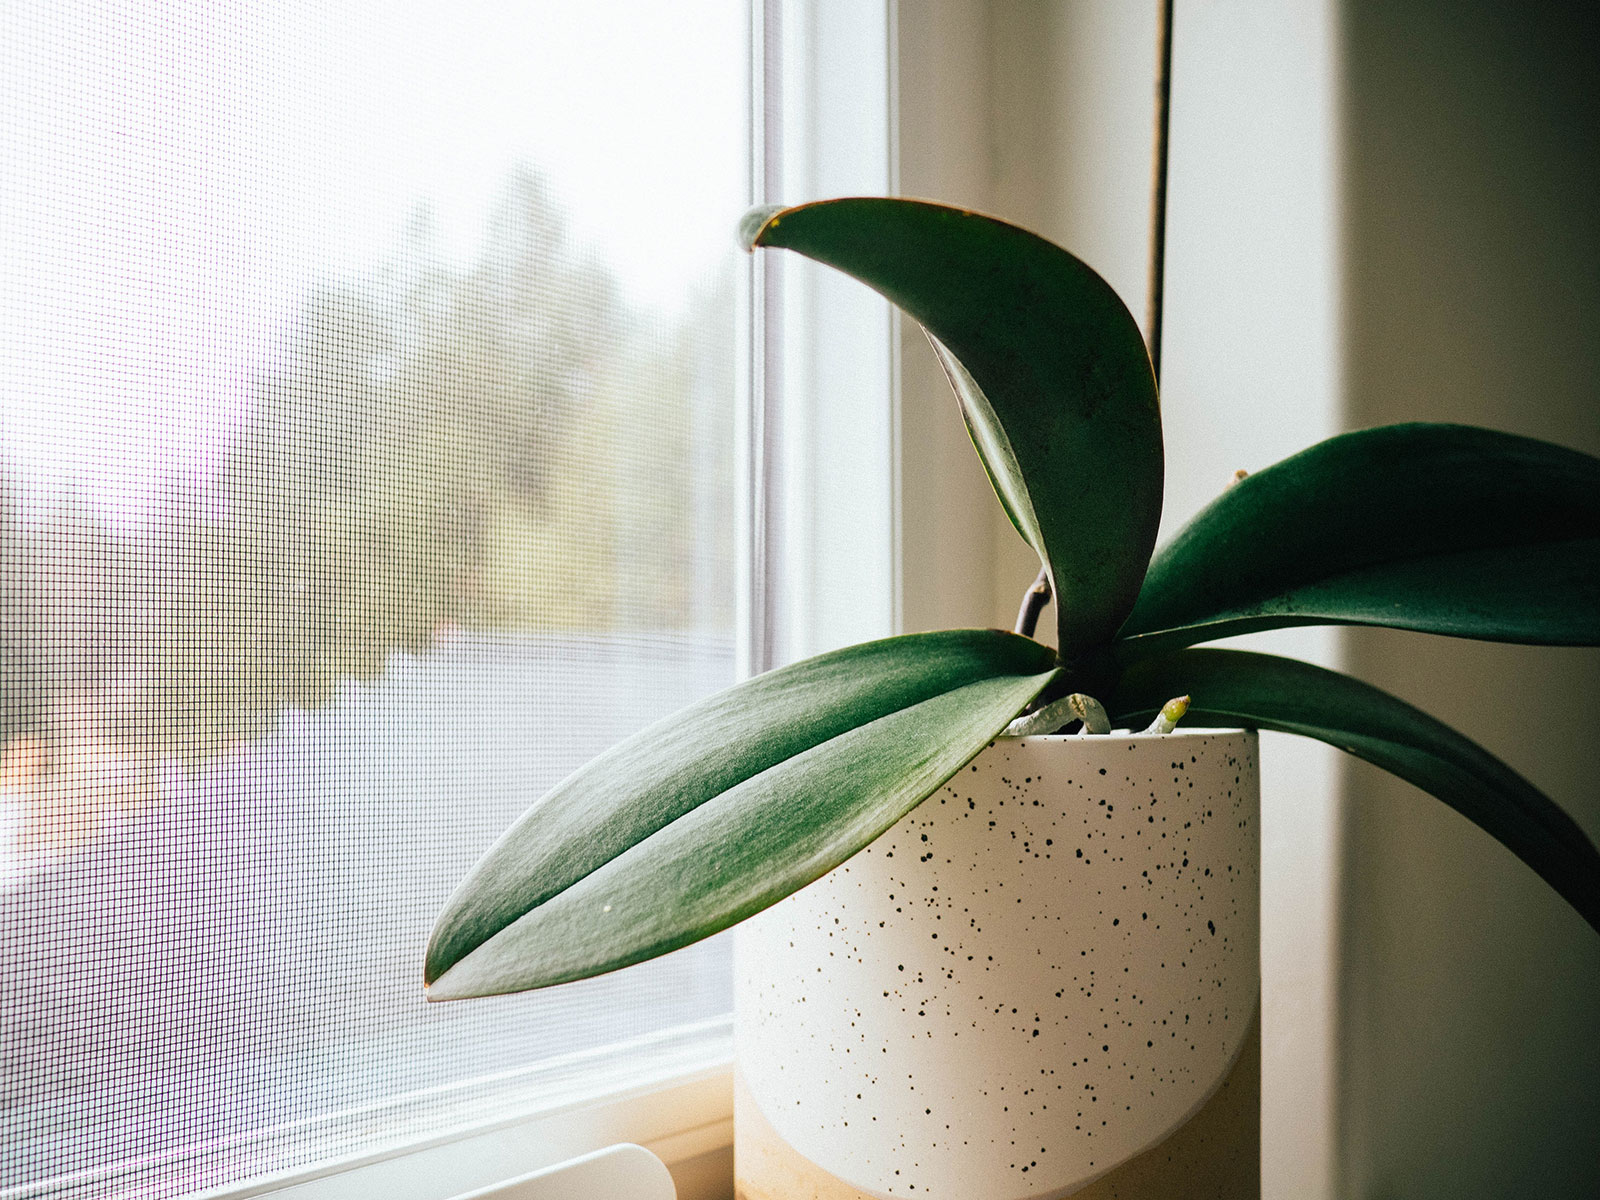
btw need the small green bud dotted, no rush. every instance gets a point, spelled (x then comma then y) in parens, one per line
(1171, 713)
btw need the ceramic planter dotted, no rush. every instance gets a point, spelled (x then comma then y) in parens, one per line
(1045, 975)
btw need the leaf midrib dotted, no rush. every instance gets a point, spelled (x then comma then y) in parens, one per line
(722, 810)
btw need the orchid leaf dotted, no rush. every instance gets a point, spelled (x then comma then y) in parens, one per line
(715, 813)
(1050, 371)
(1231, 687)
(1442, 529)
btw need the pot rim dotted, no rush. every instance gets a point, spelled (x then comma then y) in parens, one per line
(1125, 735)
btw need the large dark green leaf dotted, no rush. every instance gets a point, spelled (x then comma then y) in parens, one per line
(727, 807)
(1230, 687)
(1050, 370)
(1438, 528)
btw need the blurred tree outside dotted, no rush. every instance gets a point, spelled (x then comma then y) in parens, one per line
(502, 446)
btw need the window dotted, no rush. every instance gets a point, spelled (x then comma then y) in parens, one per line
(367, 426)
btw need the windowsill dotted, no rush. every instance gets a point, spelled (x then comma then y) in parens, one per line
(685, 1119)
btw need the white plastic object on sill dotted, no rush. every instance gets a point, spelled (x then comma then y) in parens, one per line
(626, 1172)
(682, 1117)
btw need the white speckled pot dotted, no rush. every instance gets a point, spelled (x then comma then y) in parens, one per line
(1043, 970)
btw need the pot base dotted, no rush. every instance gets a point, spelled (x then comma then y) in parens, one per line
(1215, 1155)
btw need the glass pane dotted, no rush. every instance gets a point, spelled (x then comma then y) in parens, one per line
(366, 393)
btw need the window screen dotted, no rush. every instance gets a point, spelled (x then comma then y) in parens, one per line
(366, 397)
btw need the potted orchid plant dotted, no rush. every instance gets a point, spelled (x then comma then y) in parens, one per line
(728, 807)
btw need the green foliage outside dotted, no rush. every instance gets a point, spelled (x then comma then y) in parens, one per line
(502, 446)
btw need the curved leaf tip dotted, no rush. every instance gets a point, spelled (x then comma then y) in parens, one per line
(756, 222)
(1050, 371)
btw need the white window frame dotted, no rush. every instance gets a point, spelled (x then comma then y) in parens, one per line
(822, 465)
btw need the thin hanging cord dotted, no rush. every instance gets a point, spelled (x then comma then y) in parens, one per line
(1158, 182)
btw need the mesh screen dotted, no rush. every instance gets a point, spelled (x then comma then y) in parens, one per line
(366, 403)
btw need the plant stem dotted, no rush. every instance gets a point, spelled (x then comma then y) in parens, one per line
(1033, 602)
(1158, 183)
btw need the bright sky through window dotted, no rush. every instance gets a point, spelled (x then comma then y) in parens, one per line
(157, 246)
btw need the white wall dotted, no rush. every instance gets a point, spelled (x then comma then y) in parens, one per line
(1041, 113)
(948, 533)
(1472, 999)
